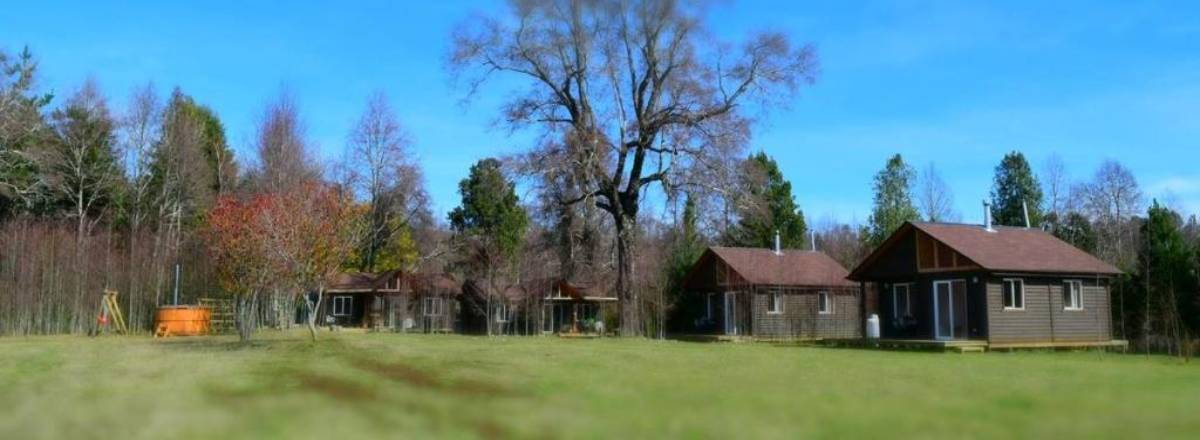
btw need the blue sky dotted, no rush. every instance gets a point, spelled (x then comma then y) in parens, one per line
(958, 83)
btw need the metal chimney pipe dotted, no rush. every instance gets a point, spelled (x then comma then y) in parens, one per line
(778, 247)
(1025, 209)
(812, 240)
(987, 216)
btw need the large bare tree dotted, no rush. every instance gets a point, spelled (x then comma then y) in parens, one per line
(629, 94)
(284, 154)
(382, 169)
(934, 197)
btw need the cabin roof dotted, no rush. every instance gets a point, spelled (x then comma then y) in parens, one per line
(362, 281)
(1005, 249)
(789, 267)
(369, 282)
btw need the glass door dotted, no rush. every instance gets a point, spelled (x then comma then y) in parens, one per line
(950, 309)
(731, 313)
(943, 327)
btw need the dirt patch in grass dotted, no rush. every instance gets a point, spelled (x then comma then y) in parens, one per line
(419, 378)
(339, 389)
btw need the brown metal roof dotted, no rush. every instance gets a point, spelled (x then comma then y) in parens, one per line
(1015, 249)
(787, 268)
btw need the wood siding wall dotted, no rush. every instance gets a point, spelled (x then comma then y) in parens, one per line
(800, 318)
(1044, 319)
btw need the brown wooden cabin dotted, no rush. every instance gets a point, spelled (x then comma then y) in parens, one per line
(576, 307)
(410, 302)
(1002, 285)
(769, 294)
(510, 310)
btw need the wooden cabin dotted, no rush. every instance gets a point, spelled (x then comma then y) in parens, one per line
(767, 293)
(1003, 286)
(575, 307)
(509, 310)
(392, 300)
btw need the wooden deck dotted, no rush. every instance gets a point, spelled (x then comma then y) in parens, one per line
(971, 345)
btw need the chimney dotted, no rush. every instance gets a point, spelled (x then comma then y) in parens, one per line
(987, 216)
(778, 248)
(812, 240)
(1025, 209)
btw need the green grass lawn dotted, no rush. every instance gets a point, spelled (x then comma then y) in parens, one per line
(386, 385)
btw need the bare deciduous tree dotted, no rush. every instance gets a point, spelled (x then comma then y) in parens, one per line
(632, 94)
(380, 166)
(1111, 198)
(284, 154)
(1055, 186)
(935, 199)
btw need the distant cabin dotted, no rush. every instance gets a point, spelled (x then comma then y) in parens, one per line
(1003, 285)
(394, 300)
(765, 293)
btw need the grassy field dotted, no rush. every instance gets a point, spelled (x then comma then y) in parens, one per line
(385, 385)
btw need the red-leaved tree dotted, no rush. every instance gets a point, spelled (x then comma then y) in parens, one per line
(311, 231)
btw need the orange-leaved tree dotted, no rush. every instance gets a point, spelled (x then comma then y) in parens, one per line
(238, 244)
(312, 230)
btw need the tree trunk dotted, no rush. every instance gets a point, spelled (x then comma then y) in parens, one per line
(312, 312)
(628, 305)
(246, 315)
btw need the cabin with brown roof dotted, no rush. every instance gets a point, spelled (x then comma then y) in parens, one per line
(765, 293)
(1001, 286)
(396, 300)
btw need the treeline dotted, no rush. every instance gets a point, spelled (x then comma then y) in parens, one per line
(95, 198)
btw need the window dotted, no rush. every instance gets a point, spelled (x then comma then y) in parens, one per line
(433, 306)
(502, 312)
(824, 303)
(775, 305)
(342, 305)
(1014, 294)
(901, 301)
(1073, 295)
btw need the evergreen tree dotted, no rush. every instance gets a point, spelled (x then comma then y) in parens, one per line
(490, 208)
(22, 128)
(81, 163)
(1165, 271)
(1015, 184)
(490, 227)
(1076, 229)
(773, 209)
(192, 163)
(893, 201)
(686, 247)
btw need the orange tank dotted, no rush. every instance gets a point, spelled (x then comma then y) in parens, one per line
(182, 321)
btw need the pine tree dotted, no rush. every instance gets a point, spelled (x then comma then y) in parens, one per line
(773, 209)
(1015, 184)
(893, 201)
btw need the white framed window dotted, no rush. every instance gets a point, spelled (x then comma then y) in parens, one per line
(901, 300)
(824, 303)
(342, 305)
(1073, 295)
(1014, 294)
(502, 312)
(433, 306)
(775, 303)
